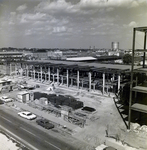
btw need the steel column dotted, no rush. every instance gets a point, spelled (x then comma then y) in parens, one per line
(67, 78)
(131, 84)
(78, 79)
(41, 73)
(103, 83)
(49, 75)
(89, 81)
(118, 82)
(144, 49)
(57, 76)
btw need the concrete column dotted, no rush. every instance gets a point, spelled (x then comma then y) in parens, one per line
(38, 75)
(31, 73)
(118, 82)
(45, 76)
(10, 68)
(41, 72)
(136, 85)
(113, 77)
(67, 78)
(94, 86)
(103, 83)
(53, 78)
(27, 68)
(15, 69)
(21, 71)
(49, 74)
(62, 79)
(71, 81)
(78, 79)
(82, 83)
(89, 81)
(57, 76)
(7, 68)
(34, 73)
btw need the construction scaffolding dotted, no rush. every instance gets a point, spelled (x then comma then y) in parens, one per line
(142, 69)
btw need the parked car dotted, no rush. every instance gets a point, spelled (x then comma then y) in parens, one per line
(1, 102)
(45, 123)
(109, 148)
(6, 99)
(27, 115)
(37, 86)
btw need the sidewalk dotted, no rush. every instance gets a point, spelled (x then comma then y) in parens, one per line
(46, 115)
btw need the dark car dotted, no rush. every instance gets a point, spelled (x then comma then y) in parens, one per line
(1, 102)
(45, 123)
(109, 148)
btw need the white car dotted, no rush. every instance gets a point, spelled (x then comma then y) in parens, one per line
(6, 99)
(27, 115)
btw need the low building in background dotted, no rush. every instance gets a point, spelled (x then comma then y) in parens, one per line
(62, 54)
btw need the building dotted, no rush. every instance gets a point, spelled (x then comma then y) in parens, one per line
(5, 85)
(90, 75)
(10, 56)
(69, 53)
(7, 58)
(115, 46)
(62, 54)
(40, 54)
(138, 92)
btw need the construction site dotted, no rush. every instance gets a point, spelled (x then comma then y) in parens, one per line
(88, 116)
(79, 99)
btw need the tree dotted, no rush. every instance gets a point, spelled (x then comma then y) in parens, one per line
(127, 59)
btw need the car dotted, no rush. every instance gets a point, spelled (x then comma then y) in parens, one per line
(1, 102)
(109, 148)
(37, 86)
(27, 115)
(6, 99)
(45, 123)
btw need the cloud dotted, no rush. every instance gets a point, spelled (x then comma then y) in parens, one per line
(110, 3)
(134, 4)
(27, 17)
(132, 24)
(21, 7)
(85, 7)
(59, 5)
(59, 19)
(59, 29)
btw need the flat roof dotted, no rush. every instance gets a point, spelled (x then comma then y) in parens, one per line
(23, 93)
(11, 53)
(141, 89)
(94, 66)
(5, 81)
(142, 29)
(139, 107)
(81, 58)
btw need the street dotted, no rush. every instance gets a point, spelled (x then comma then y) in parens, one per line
(33, 136)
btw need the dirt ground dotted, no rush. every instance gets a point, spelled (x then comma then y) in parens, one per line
(105, 121)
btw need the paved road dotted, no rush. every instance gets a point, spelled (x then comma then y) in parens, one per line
(29, 133)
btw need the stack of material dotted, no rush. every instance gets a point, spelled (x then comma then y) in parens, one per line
(57, 100)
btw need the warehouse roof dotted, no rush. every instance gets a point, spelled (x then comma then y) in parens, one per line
(93, 66)
(81, 58)
(142, 29)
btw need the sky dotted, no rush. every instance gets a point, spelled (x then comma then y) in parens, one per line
(71, 23)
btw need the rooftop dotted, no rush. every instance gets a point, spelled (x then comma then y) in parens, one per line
(70, 64)
(142, 29)
(81, 58)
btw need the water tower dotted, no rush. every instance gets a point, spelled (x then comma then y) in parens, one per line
(115, 45)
